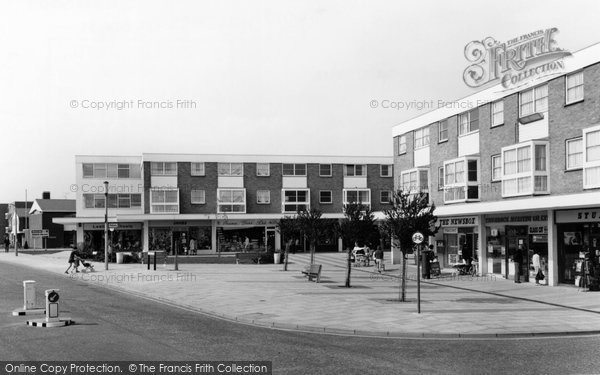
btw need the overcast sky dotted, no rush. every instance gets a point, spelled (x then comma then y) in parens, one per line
(257, 77)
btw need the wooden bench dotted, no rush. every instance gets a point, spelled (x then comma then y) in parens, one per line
(249, 258)
(312, 271)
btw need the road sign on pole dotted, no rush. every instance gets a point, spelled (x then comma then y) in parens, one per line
(418, 239)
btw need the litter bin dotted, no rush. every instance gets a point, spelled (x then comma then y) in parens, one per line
(119, 258)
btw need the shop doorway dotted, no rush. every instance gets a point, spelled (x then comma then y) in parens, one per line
(515, 236)
(270, 235)
(180, 242)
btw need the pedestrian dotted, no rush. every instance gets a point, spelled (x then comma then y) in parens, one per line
(517, 261)
(537, 266)
(379, 259)
(6, 244)
(246, 244)
(73, 261)
(193, 249)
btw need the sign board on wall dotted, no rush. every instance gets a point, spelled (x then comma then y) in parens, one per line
(120, 226)
(578, 216)
(466, 221)
(516, 218)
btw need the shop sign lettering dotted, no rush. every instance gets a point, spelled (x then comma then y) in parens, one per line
(516, 219)
(458, 221)
(538, 229)
(573, 216)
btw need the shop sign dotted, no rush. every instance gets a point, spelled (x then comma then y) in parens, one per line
(543, 238)
(542, 229)
(516, 219)
(450, 230)
(458, 221)
(119, 226)
(253, 222)
(578, 216)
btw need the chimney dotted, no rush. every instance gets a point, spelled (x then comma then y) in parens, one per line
(46, 195)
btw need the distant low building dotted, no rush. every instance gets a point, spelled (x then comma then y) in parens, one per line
(40, 220)
(16, 218)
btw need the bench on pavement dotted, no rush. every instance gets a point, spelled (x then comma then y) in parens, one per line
(313, 271)
(251, 258)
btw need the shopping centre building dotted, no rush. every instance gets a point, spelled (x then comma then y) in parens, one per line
(223, 203)
(509, 167)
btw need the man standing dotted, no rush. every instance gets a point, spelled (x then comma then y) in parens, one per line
(518, 260)
(537, 265)
(379, 259)
(6, 244)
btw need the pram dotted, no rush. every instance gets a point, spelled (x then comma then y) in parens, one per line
(87, 266)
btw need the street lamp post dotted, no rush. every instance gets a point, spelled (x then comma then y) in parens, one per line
(106, 225)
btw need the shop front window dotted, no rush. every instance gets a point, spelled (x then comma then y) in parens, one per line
(234, 239)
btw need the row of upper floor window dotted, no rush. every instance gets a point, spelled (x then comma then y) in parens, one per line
(522, 169)
(531, 102)
(116, 171)
(230, 200)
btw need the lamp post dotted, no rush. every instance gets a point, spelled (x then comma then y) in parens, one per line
(106, 225)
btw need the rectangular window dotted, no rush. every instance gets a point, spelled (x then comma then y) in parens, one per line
(422, 137)
(357, 196)
(325, 170)
(401, 145)
(231, 200)
(197, 169)
(591, 157)
(198, 197)
(461, 180)
(231, 169)
(534, 100)
(574, 153)
(114, 200)
(163, 169)
(112, 171)
(355, 170)
(525, 169)
(496, 168)
(123, 170)
(263, 196)
(99, 170)
(164, 201)
(415, 180)
(386, 170)
(497, 113)
(574, 87)
(441, 178)
(443, 131)
(294, 169)
(263, 169)
(295, 200)
(325, 196)
(385, 197)
(468, 122)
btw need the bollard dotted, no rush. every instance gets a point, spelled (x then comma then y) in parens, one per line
(28, 294)
(29, 301)
(52, 312)
(52, 298)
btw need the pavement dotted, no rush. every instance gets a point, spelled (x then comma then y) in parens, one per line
(264, 295)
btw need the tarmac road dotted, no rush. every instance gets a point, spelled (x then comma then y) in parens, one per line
(115, 326)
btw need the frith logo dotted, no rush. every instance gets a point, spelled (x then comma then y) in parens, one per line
(515, 62)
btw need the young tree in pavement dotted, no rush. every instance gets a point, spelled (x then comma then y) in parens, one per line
(410, 213)
(290, 231)
(314, 228)
(358, 226)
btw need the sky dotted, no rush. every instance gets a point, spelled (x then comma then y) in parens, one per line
(236, 77)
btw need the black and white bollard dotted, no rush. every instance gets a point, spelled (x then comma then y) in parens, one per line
(29, 301)
(52, 312)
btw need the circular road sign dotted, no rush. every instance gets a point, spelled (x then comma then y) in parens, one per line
(53, 297)
(418, 237)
